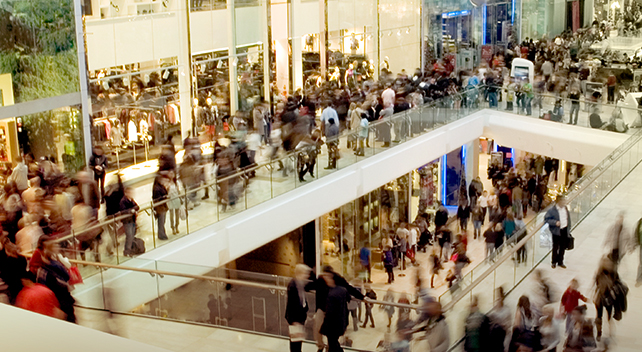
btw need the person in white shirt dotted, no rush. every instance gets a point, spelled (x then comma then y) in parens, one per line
(19, 175)
(412, 240)
(388, 96)
(483, 204)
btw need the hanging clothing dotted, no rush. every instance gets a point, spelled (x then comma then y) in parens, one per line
(132, 131)
(107, 128)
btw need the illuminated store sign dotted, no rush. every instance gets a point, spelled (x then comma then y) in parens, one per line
(455, 14)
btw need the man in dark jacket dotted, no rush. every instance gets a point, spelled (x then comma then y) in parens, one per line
(159, 194)
(98, 164)
(296, 310)
(336, 313)
(323, 289)
(558, 219)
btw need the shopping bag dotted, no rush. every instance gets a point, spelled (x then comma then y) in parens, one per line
(297, 333)
(182, 214)
(74, 276)
(545, 237)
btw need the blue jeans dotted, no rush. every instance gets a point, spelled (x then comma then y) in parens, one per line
(161, 216)
(130, 233)
(492, 99)
(527, 105)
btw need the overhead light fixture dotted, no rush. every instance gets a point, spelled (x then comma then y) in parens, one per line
(408, 30)
(399, 32)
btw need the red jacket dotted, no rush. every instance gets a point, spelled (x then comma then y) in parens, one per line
(570, 299)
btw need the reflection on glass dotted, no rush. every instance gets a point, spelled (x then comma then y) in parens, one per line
(38, 48)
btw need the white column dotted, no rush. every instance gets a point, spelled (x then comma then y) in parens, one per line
(85, 102)
(265, 15)
(323, 37)
(184, 68)
(231, 52)
(297, 47)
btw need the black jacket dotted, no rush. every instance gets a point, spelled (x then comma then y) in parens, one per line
(441, 217)
(98, 160)
(322, 289)
(336, 312)
(126, 205)
(159, 193)
(294, 311)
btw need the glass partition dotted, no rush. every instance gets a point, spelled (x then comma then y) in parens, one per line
(231, 192)
(225, 298)
(521, 254)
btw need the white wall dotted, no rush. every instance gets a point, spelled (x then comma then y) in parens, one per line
(22, 330)
(120, 41)
(571, 143)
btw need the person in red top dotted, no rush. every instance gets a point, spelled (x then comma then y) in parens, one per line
(39, 299)
(570, 300)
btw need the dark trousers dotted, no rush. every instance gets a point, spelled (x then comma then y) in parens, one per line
(333, 343)
(295, 346)
(391, 275)
(600, 308)
(559, 247)
(611, 93)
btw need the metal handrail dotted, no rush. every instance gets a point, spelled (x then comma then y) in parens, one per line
(216, 181)
(578, 188)
(244, 283)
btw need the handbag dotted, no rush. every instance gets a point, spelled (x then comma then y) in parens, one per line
(410, 254)
(182, 214)
(74, 276)
(570, 243)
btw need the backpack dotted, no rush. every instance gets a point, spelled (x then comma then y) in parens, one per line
(138, 246)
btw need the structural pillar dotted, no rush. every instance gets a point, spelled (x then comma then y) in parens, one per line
(267, 44)
(323, 38)
(296, 46)
(85, 102)
(233, 60)
(185, 86)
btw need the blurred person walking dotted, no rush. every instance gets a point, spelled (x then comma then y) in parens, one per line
(476, 329)
(296, 311)
(129, 206)
(159, 194)
(175, 203)
(338, 321)
(55, 276)
(610, 295)
(335, 320)
(98, 164)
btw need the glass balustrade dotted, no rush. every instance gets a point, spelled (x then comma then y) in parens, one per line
(523, 252)
(231, 194)
(225, 298)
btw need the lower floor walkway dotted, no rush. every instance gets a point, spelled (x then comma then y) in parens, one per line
(591, 244)
(182, 337)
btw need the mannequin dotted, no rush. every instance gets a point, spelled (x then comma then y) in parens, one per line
(132, 131)
(349, 77)
(354, 44)
(336, 77)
